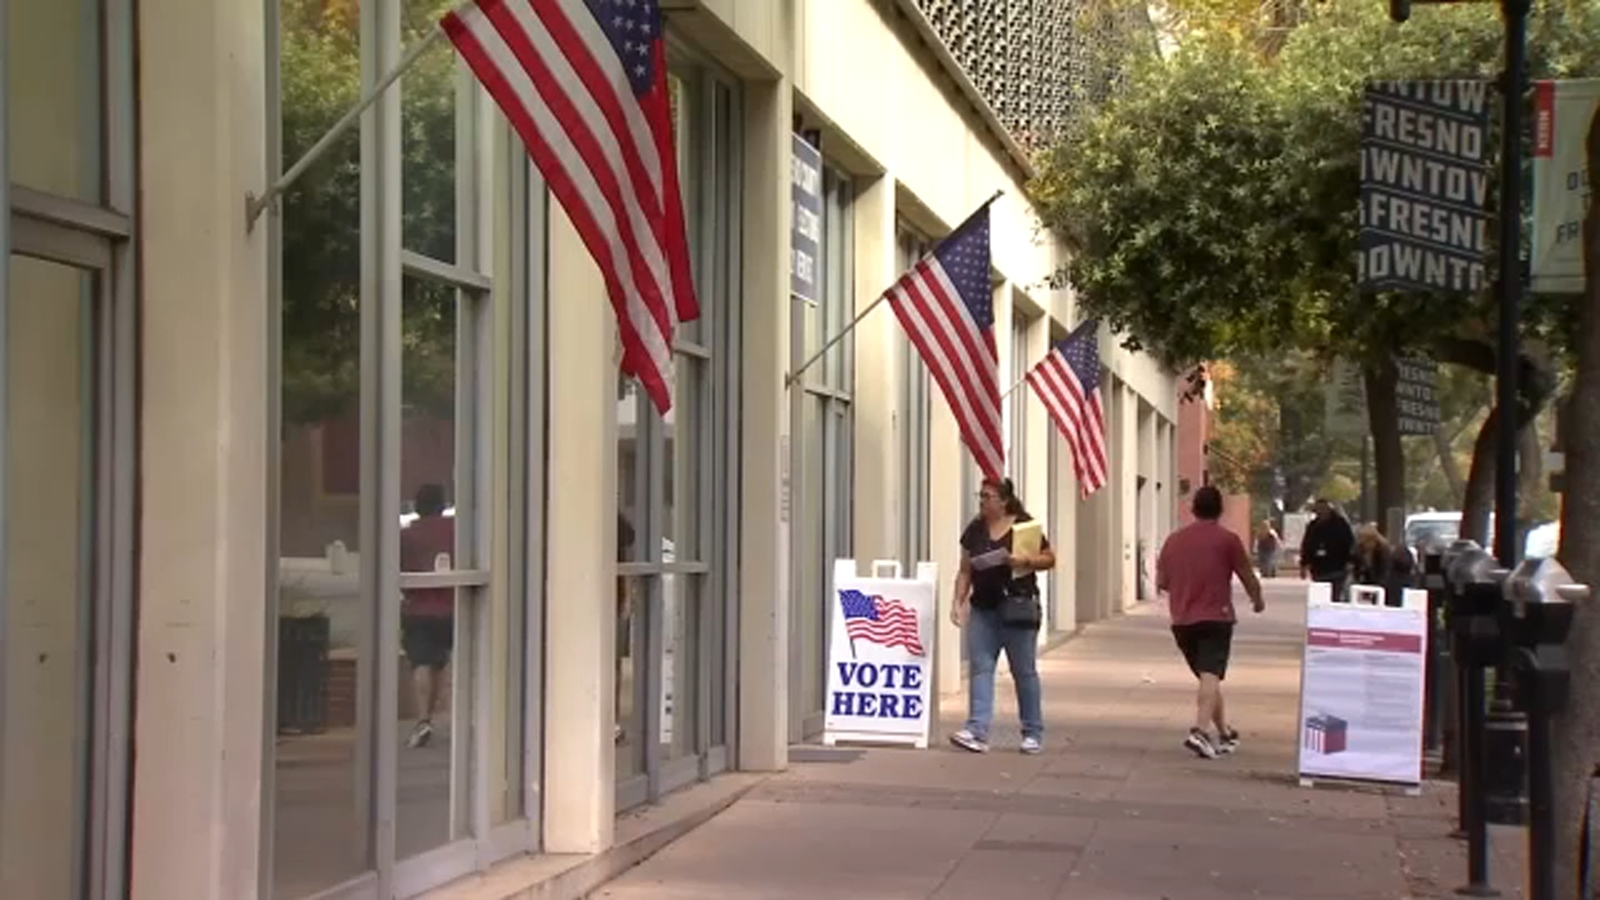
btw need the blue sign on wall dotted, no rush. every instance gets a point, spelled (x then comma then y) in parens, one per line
(1424, 186)
(805, 220)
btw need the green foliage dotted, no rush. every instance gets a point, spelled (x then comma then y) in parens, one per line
(1210, 205)
(320, 73)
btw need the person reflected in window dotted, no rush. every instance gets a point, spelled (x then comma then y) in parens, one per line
(990, 572)
(427, 615)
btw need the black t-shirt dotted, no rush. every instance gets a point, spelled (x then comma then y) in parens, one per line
(989, 585)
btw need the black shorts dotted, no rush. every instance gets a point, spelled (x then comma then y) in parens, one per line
(428, 640)
(1206, 646)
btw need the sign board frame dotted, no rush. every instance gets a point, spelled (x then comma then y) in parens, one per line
(866, 673)
(805, 220)
(1349, 644)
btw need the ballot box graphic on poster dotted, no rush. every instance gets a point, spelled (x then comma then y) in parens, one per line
(1326, 734)
(1361, 686)
(879, 656)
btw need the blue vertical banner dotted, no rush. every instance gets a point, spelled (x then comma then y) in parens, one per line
(805, 219)
(1424, 186)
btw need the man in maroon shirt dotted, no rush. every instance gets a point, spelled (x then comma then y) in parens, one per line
(1196, 569)
(427, 615)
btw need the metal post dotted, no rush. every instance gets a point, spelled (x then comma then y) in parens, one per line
(1514, 77)
(1541, 788)
(1476, 815)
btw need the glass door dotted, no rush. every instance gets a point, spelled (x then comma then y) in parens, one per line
(64, 641)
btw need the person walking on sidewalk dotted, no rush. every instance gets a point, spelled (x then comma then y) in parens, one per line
(997, 603)
(1196, 569)
(1326, 549)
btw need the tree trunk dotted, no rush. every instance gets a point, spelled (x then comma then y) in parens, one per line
(1383, 420)
(1448, 463)
(1477, 501)
(1577, 727)
(1530, 469)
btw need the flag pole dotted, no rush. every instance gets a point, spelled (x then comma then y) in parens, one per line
(256, 205)
(792, 377)
(1020, 382)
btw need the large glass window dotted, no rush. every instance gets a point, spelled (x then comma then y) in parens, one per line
(409, 472)
(676, 476)
(68, 310)
(912, 421)
(823, 465)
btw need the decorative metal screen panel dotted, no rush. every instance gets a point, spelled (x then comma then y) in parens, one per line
(1030, 59)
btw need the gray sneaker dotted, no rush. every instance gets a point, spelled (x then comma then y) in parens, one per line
(1032, 745)
(1199, 743)
(966, 740)
(1227, 741)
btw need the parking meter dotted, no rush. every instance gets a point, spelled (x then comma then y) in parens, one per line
(1473, 598)
(1539, 599)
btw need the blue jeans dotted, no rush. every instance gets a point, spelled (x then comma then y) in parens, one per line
(986, 636)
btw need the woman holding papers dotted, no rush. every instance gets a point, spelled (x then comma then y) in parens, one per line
(997, 603)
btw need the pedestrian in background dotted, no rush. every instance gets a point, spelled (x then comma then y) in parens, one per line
(1326, 549)
(997, 605)
(1268, 544)
(1196, 570)
(1382, 564)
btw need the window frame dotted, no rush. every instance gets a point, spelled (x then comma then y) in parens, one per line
(706, 583)
(100, 238)
(489, 161)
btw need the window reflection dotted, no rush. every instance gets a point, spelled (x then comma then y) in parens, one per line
(323, 771)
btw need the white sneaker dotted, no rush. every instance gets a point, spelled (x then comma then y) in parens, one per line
(1031, 745)
(966, 740)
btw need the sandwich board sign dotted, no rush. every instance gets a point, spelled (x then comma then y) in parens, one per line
(880, 655)
(1361, 686)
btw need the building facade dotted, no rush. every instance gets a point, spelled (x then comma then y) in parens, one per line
(221, 432)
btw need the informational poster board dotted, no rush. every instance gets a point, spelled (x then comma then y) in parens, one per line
(880, 652)
(1562, 181)
(1361, 686)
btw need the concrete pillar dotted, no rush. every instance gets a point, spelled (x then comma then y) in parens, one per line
(764, 421)
(1148, 507)
(196, 819)
(879, 504)
(580, 619)
(945, 521)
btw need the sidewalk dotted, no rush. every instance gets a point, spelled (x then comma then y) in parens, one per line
(1113, 809)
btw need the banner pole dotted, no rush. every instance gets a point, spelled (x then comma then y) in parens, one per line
(256, 205)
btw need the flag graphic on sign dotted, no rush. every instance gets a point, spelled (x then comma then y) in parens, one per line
(1327, 734)
(1067, 380)
(584, 83)
(946, 306)
(887, 623)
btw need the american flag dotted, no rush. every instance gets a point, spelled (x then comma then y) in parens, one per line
(1068, 381)
(946, 305)
(888, 623)
(584, 82)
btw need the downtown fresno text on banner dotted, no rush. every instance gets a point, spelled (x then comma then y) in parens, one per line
(1067, 381)
(945, 302)
(584, 83)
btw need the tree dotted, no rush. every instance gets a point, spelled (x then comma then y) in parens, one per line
(1210, 204)
(321, 212)
(1577, 727)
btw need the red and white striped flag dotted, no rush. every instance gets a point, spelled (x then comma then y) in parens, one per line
(946, 305)
(1068, 381)
(584, 82)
